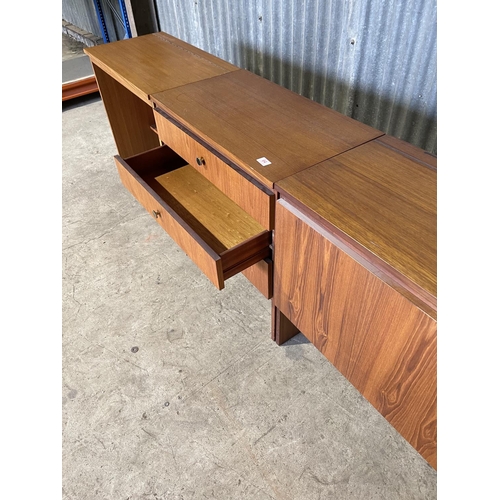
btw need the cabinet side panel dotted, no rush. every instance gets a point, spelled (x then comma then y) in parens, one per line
(130, 117)
(384, 345)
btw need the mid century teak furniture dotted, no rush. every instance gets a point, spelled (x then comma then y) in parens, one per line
(331, 218)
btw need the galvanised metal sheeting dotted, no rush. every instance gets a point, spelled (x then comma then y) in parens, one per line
(81, 13)
(372, 60)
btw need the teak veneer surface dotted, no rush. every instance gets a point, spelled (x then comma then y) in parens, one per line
(403, 147)
(247, 117)
(380, 341)
(215, 233)
(155, 62)
(130, 118)
(261, 276)
(383, 200)
(137, 175)
(215, 217)
(235, 184)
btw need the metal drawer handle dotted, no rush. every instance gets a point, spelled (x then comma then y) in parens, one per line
(200, 160)
(156, 214)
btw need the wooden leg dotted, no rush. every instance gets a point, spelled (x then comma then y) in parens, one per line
(282, 328)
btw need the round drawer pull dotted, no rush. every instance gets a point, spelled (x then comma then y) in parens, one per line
(200, 160)
(156, 214)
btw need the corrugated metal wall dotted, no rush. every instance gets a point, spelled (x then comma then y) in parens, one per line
(372, 60)
(81, 13)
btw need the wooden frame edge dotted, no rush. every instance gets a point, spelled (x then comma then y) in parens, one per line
(78, 88)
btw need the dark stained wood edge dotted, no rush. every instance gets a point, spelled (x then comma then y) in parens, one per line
(417, 295)
(241, 266)
(272, 211)
(155, 161)
(247, 249)
(197, 138)
(200, 241)
(78, 88)
(282, 329)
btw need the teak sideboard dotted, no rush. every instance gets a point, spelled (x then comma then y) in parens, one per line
(330, 218)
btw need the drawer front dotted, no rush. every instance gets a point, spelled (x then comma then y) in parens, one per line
(216, 266)
(249, 194)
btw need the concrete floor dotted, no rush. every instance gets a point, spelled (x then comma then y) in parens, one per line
(173, 390)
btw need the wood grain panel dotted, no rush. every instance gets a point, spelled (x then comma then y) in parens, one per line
(220, 222)
(155, 62)
(381, 342)
(219, 236)
(409, 149)
(199, 252)
(129, 117)
(261, 277)
(386, 202)
(247, 117)
(255, 200)
(237, 258)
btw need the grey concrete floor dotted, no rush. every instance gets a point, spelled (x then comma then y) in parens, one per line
(208, 406)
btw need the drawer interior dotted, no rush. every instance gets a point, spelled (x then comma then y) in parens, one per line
(230, 232)
(208, 211)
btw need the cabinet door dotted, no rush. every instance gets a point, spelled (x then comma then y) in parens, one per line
(378, 339)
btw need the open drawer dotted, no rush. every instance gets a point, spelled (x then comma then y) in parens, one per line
(219, 236)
